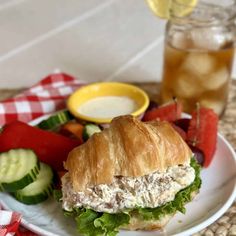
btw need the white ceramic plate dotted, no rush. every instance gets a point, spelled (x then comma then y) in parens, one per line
(217, 194)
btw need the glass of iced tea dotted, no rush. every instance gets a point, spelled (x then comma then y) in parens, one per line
(199, 53)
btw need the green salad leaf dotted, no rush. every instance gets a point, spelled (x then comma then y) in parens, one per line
(57, 195)
(110, 222)
(86, 223)
(181, 198)
(92, 223)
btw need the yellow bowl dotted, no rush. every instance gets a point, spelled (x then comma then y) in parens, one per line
(95, 90)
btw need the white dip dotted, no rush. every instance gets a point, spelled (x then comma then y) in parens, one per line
(108, 107)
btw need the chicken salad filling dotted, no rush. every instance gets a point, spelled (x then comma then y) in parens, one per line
(151, 191)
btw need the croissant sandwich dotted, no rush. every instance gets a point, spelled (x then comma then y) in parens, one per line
(132, 175)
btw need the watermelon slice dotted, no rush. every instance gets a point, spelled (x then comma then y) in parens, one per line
(169, 112)
(180, 131)
(202, 132)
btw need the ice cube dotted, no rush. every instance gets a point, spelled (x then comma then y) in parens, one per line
(187, 86)
(180, 40)
(208, 38)
(217, 79)
(199, 64)
(216, 105)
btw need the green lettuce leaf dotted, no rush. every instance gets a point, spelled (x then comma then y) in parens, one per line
(91, 223)
(181, 198)
(110, 222)
(85, 223)
(57, 195)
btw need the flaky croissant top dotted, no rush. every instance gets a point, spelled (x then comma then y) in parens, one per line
(128, 147)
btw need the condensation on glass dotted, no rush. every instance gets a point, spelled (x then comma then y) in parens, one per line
(198, 55)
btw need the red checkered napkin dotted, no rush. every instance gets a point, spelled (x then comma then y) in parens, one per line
(9, 223)
(47, 96)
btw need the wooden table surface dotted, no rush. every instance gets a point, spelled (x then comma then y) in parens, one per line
(226, 225)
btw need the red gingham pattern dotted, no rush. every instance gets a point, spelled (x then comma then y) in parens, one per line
(9, 223)
(45, 97)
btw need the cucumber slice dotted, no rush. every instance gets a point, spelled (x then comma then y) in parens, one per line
(55, 120)
(89, 130)
(40, 189)
(18, 168)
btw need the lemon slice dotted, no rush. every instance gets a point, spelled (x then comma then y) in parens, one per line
(163, 8)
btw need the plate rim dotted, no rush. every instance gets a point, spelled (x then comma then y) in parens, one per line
(194, 229)
(224, 207)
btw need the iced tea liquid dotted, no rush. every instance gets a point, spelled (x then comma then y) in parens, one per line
(201, 76)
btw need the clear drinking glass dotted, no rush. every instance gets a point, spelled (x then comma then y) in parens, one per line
(198, 55)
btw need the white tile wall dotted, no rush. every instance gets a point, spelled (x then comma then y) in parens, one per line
(92, 39)
(31, 19)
